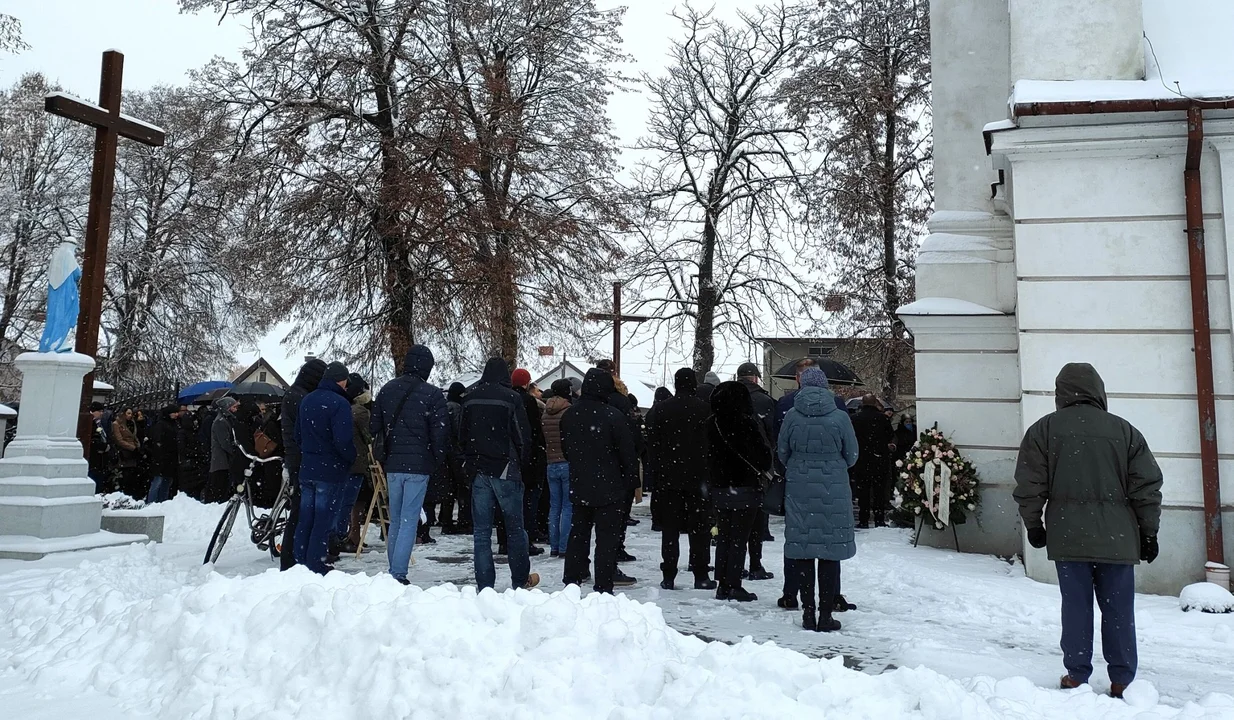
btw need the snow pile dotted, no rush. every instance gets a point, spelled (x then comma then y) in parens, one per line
(1206, 597)
(195, 644)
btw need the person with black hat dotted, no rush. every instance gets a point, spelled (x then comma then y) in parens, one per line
(749, 375)
(340, 539)
(100, 451)
(597, 442)
(677, 437)
(459, 489)
(495, 442)
(306, 382)
(325, 433)
(558, 471)
(164, 449)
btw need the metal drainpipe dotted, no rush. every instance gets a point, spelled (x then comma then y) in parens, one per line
(1193, 190)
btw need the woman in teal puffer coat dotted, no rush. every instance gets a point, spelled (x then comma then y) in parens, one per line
(817, 446)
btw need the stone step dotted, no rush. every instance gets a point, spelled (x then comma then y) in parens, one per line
(31, 486)
(24, 547)
(12, 466)
(50, 517)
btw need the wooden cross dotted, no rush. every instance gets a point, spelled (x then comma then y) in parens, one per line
(617, 318)
(109, 126)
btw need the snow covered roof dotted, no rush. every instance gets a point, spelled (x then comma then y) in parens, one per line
(100, 385)
(1193, 56)
(945, 306)
(7, 412)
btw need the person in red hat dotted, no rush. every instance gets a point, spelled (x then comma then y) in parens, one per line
(535, 466)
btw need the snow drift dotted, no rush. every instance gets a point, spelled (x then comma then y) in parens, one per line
(196, 644)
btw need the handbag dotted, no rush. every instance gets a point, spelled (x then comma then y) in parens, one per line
(766, 478)
(773, 498)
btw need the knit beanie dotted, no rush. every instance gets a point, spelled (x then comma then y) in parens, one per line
(336, 372)
(813, 377)
(520, 378)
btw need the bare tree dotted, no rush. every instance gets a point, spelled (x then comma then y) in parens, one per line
(10, 34)
(43, 162)
(528, 155)
(864, 86)
(176, 291)
(718, 181)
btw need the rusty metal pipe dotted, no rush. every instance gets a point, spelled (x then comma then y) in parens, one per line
(1209, 471)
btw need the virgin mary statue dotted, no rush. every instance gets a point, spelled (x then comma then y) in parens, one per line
(62, 299)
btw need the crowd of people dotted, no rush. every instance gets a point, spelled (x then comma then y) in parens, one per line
(564, 468)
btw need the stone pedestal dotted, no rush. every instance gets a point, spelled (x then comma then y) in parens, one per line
(47, 500)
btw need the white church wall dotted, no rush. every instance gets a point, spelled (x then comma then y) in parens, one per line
(1145, 248)
(1069, 40)
(1112, 305)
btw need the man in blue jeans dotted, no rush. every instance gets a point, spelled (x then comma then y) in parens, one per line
(411, 426)
(495, 441)
(324, 434)
(1103, 490)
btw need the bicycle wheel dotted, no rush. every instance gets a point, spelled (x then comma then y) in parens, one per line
(223, 531)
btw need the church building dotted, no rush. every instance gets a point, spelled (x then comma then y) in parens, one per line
(1084, 191)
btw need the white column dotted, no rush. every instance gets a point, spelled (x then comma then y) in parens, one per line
(1077, 40)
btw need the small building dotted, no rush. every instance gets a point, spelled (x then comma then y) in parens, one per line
(641, 385)
(262, 371)
(868, 357)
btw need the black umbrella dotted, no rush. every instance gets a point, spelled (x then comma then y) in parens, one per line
(837, 372)
(257, 390)
(211, 396)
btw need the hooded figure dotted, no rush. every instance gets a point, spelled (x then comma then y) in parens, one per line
(459, 486)
(495, 442)
(411, 426)
(817, 446)
(1103, 489)
(677, 436)
(597, 442)
(739, 460)
(872, 473)
(306, 382)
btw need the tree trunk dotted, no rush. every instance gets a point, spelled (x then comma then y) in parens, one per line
(891, 289)
(704, 328)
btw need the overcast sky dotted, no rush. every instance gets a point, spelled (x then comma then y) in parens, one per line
(160, 45)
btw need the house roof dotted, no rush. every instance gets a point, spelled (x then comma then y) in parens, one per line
(262, 361)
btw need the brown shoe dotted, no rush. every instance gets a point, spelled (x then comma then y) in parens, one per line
(1069, 683)
(532, 580)
(1116, 690)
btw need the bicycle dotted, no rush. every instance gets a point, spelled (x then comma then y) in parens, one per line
(264, 530)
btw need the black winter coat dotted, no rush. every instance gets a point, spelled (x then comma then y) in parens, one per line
(764, 408)
(874, 434)
(738, 452)
(677, 438)
(164, 446)
(493, 430)
(598, 444)
(534, 467)
(415, 441)
(306, 382)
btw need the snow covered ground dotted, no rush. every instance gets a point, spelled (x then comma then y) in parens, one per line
(146, 632)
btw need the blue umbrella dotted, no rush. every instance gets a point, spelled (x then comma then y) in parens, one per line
(196, 390)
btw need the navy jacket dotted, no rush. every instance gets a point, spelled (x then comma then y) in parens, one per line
(324, 433)
(493, 430)
(416, 441)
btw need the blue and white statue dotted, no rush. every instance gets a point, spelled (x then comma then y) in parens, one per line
(63, 300)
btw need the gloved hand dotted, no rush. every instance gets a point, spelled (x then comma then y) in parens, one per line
(1149, 548)
(1036, 537)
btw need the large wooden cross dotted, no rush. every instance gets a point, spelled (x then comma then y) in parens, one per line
(110, 125)
(617, 318)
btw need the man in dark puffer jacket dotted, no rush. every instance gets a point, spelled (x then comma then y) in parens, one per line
(412, 424)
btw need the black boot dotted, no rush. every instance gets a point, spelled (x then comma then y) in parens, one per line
(741, 595)
(826, 623)
(808, 621)
(787, 603)
(668, 584)
(703, 582)
(843, 605)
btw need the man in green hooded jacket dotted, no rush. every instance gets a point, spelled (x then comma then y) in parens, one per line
(1091, 477)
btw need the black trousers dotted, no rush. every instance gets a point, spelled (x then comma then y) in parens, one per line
(698, 529)
(828, 584)
(757, 531)
(627, 506)
(735, 527)
(873, 497)
(287, 558)
(607, 521)
(792, 581)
